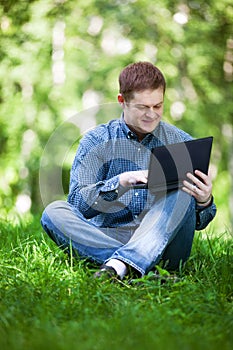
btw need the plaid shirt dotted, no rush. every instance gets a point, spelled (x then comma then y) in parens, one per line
(104, 153)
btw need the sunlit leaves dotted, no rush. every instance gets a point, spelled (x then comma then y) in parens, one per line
(55, 54)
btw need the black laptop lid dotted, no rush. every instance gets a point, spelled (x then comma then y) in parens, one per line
(169, 164)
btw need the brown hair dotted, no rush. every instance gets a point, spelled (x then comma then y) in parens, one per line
(140, 76)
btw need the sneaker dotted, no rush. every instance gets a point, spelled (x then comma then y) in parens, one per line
(106, 273)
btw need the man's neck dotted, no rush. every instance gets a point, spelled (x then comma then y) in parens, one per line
(139, 134)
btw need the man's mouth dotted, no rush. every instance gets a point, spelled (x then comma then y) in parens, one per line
(149, 121)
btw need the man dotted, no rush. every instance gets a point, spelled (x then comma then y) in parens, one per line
(107, 219)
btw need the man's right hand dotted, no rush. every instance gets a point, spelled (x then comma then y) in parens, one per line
(130, 178)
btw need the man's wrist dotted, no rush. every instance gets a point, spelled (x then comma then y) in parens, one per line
(206, 202)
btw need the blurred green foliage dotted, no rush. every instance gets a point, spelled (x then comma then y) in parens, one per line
(58, 57)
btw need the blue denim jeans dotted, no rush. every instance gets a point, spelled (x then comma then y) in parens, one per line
(165, 233)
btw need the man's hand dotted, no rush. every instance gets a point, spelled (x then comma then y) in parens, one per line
(200, 190)
(130, 178)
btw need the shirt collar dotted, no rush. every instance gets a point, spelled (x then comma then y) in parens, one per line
(156, 131)
(130, 134)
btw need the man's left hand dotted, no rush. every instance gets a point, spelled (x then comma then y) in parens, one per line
(200, 187)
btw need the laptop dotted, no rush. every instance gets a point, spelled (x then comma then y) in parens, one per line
(169, 164)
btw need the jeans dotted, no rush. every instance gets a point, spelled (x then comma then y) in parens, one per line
(164, 233)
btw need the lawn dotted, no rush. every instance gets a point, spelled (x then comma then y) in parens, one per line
(49, 300)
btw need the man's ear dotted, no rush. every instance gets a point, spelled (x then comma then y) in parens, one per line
(121, 100)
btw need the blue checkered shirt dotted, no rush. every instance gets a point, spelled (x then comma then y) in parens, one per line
(104, 153)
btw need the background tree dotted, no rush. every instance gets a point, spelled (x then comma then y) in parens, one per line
(61, 57)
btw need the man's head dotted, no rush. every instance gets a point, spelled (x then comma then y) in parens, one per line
(141, 96)
(138, 77)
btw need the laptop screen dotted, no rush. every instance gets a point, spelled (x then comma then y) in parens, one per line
(170, 164)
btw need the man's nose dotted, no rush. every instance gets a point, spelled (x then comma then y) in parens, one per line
(150, 112)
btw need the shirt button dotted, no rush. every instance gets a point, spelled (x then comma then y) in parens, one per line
(96, 203)
(130, 135)
(135, 216)
(136, 194)
(139, 149)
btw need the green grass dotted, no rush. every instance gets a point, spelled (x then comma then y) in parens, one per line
(49, 300)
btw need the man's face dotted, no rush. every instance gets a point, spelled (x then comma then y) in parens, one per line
(144, 111)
